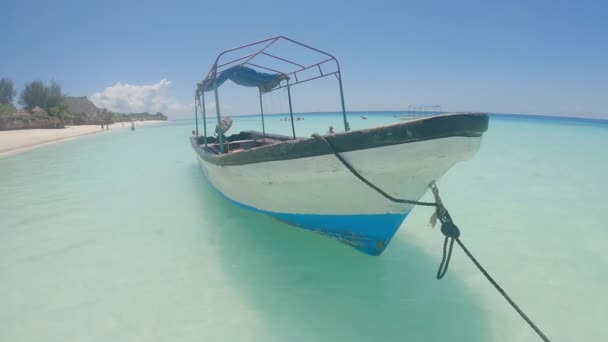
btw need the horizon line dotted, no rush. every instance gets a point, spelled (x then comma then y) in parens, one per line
(565, 116)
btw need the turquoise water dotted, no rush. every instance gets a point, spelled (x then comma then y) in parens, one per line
(118, 237)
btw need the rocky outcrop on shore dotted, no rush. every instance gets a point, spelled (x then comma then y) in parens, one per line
(81, 105)
(21, 119)
(85, 110)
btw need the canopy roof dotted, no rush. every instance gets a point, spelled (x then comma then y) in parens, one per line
(248, 65)
(247, 77)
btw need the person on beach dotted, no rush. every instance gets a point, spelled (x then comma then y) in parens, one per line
(331, 130)
(132, 126)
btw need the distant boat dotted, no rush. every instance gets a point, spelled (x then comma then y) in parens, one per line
(301, 182)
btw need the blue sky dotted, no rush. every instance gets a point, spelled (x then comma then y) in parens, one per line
(537, 57)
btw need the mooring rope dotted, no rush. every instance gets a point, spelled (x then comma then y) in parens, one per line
(448, 229)
(364, 180)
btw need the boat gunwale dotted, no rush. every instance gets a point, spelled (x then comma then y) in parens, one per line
(429, 128)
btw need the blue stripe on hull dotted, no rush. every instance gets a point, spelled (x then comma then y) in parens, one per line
(369, 233)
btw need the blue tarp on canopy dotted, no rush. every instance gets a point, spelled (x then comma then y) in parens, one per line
(246, 77)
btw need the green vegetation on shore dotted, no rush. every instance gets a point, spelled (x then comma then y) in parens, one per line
(50, 98)
(7, 91)
(111, 117)
(45, 106)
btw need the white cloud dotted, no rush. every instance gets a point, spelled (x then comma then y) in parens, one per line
(130, 98)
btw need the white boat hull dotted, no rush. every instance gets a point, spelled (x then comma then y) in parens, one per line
(319, 193)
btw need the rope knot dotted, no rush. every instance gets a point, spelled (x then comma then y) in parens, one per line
(450, 230)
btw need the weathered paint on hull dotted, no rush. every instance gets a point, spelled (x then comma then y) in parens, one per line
(320, 194)
(369, 233)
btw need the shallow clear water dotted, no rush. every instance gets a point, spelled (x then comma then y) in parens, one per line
(118, 237)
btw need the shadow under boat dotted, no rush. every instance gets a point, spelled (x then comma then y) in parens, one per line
(304, 287)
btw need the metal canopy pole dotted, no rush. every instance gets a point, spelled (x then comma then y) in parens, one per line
(204, 118)
(247, 60)
(293, 129)
(196, 114)
(346, 127)
(219, 117)
(262, 111)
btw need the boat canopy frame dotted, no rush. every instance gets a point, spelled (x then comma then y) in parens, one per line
(283, 78)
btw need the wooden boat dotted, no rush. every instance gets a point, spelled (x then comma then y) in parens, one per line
(300, 181)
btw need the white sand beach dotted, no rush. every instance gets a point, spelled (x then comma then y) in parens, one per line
(17, 141)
